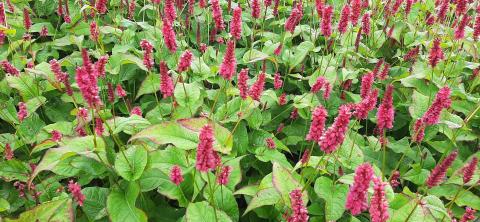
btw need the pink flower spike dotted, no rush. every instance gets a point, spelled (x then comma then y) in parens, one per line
(169, 10)
(326, 25)
(206, 157)
(356, 10)
(357, 196)
(386, 111)
(366, 105)
(99, 127)
(100, 66)
(94, 32)
(217, 15)
(319, 117)
(442, 101)
(438, 173)
(27, 22)
(169, 36)
(9, 68)
(366, 86)
(460, 30)
(229, 63)
(335, 134)
(257, 88)
(8, 152)
(366, 24)
(176, 175)
(294, 19)
(101, 6)
(136, 111)
(344, 17)
(469, 215)
(299, 210)
(469, 169)
(22, 111)
(277, 81)
(242, 83)
(384, 74)
(436, 53)
(76, 191)
(270, 143)
(185, 61)
(147, 48)
(236, 23)
(56, 135)
(3, 18)
(166, 84)
(378, 203)
(255, 9)
(224, 176)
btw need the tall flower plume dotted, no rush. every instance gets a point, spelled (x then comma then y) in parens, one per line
(242, 83)
(408, 7)
(22, 111)
(217, 15)
(384, 73)
(442, 12)
(326, 25)
(3, 18)
(277, 81)
(355, 12)
(224, 176)
(147, 48)
(294, 19)
(460, 29)
(438, 173)
(257, 88)
(94, 31)
(469, 215)
(169, 10)
(185, 61)
(169, 35)
(319, 83)
(275, 7)
(176, 175)
(335, 134)
(396, 6)
(412, 54)
(357, 196)
(366, 24)
(9, 68)
(76, 191)
(120, 91)
(344, 17)
(166, 84)
(319, 7)
(101, 6)
(8, 152)
(461, 7)
(366, 86)
(469, 170)
(366, 105)
(319, 117)
(418, 131)
(131, 9)
(87, 82)
(442, 101)
(100, 66)
(476, 26)
(378, 203)
(27, 22)
(255, 9)
(229, 63)
(236, 23)
(206, 156)
(299, 210)
(386, 111)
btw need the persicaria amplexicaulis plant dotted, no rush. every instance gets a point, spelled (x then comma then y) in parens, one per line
(255, 110)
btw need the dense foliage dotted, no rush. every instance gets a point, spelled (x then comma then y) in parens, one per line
(259, 110)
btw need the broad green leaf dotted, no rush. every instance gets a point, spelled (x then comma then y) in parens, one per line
(121, 204)
(151, 84)
(14, 170)
(4, 205)
(128, 125)
(203, 212)
(84, 146)
(334, 196)
(131, 162)
(268, 196)
(284, 182)
(95, 202)
(25, 85)
(301, 52)
(56, 210)
(225, 201)
(184, 134)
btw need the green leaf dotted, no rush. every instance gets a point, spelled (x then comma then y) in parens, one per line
(268, 196)
(284, 182)
(131, 163)
(151, 84)
(14, 170)
(4, 205)
(184, 134)
(301, 52)
(121, 204)
(334, 196)
(188, 95)
(56, 210)
(95, 202)
(128, 125)
(203, 212)
(25, 85)
(84, 146)
(225, 201)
